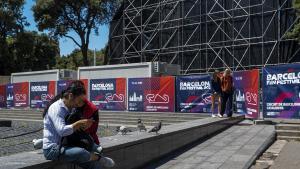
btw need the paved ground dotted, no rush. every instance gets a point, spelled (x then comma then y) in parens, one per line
(18, 138)
(289, 157)
(268, 157)
(234, 148)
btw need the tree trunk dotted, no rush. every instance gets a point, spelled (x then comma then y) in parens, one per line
(84, 51)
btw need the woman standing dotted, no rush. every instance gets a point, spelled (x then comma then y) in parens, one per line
(216, 92)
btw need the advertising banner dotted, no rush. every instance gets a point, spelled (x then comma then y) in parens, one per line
(20, 94)
(86, 84)
(246, 85)
(281, 91)
(156, 94)
(2, 96)
(62, 85)
(9, 95)
(193, 94)
(41, 93)
(108, 94)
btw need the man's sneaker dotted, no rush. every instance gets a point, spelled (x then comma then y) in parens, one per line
(213, 115)
(220, 116)
(99, 150)
(106, 162)
(37, 143)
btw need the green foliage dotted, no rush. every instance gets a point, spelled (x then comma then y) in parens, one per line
(36, 51)
(75, 59)
(295, 32)
(30, 51)
(21, 50)
(60, 17)
(12, 20)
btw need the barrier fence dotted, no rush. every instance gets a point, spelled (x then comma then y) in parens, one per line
(280, 87)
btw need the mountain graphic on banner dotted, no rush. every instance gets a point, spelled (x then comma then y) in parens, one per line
(240, 97)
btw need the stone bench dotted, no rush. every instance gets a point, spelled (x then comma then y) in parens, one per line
(135, 149)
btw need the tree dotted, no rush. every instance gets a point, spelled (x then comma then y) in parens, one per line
(61, 17)
(33, 51)
(295, 32)
(12, 22)
(74, 60)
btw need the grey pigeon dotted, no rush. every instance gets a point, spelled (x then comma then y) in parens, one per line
(156, 128)
(124, 130)
(141, 125)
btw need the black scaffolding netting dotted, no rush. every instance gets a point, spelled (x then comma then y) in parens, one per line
(202, 35)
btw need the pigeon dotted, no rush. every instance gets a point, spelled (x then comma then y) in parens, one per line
(141, 125)
(124, 130)
(37, 143)
(156, 128)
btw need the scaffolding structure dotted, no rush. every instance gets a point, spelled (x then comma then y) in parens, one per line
(203, 35)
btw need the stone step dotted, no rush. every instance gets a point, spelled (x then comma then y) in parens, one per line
(150, 117)
(113, 115)
(133, 123)
(143, 119)
(132, 118)
(147, 122)
(21, 110)
(22, 116)
(295, 127)
(288, 138)
(293, 133)
(166, 114)
(156, 113)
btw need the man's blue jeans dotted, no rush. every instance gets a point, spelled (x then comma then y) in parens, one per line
(76, 155)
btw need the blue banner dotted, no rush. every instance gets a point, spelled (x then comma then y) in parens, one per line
(108, 94)
(62, 85)
(281, 91)
(41, 93)
(10, 95)
(193, 94)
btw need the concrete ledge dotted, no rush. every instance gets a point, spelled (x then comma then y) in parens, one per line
(263, 122)
(136, 149)
(264, 145)
(5, 123)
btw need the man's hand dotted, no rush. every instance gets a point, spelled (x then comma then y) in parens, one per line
(82, 124)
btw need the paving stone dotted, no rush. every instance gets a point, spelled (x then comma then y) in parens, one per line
(233, 148)
(210, 165)
(289, 157)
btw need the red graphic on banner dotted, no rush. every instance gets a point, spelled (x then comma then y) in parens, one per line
(2, 95)
(21, 91)
(51, 90)
(160, 96)
(247, 97)
(86, 84)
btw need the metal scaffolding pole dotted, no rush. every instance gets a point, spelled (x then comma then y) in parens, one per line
(202, 35)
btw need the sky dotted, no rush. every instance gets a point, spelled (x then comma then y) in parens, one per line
(66, 45)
